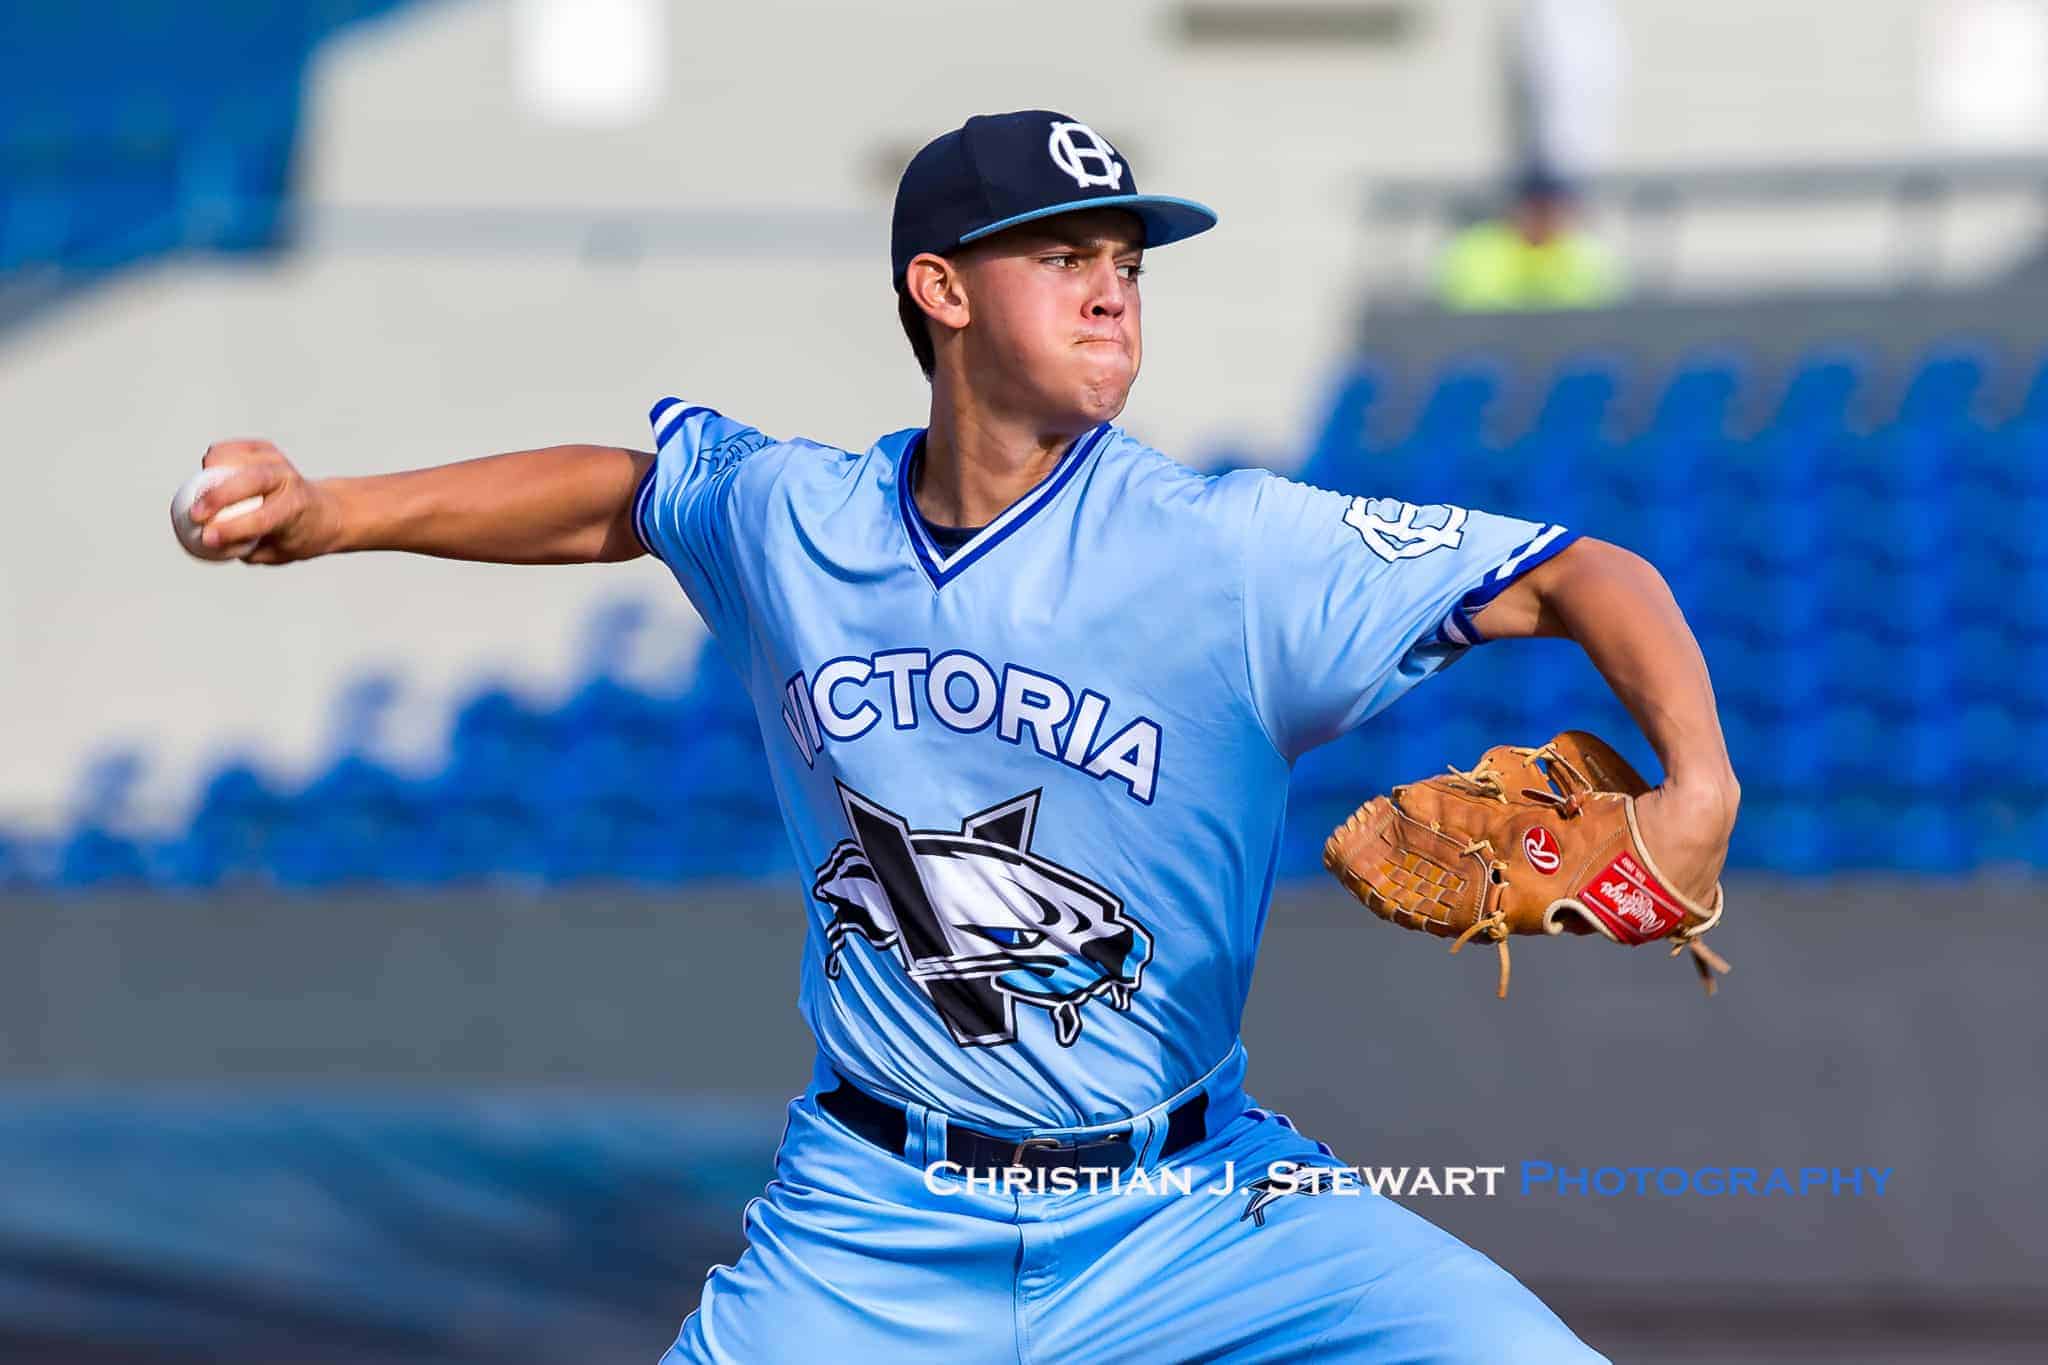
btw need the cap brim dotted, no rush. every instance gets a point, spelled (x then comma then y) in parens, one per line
(1166, 218)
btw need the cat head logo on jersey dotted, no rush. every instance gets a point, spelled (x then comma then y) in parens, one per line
(1081, 152)
(980, 922)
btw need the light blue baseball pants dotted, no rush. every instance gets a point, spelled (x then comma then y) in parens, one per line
(857, 1255)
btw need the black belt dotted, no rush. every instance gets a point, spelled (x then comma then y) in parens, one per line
(887, 1126)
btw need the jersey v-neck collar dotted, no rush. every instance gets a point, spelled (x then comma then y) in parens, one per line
(942, 567)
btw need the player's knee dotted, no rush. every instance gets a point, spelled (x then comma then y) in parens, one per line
(1529, 1342)
(1487, 1316)
(1507, 1322)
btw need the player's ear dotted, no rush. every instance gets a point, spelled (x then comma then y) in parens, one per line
(935, 284)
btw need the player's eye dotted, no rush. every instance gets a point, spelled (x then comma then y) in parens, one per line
(1131, 271)
(1061, 259)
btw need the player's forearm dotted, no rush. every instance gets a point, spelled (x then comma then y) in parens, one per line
(559, 505)
(1620, 611)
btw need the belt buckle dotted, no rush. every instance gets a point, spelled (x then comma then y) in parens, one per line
(1031, 1144)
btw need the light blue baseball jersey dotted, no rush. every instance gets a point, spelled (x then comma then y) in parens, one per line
(1036, 784)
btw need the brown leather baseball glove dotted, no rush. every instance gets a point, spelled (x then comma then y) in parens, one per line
(1531, 841)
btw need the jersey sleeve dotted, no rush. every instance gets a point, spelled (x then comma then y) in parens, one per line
(1349, 602)
(682, 511)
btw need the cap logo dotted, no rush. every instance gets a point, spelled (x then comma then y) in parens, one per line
(1080, 151)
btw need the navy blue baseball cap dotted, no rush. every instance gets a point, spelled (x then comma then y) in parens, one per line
(999, 170)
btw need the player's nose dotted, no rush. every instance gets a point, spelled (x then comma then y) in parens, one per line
(1106, 290)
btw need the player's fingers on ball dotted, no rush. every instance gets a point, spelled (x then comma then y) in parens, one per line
(247, 450)
(257, 522)
(247, 481)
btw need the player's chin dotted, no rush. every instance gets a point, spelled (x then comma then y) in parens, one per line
(1097, 405)
(1103, 389)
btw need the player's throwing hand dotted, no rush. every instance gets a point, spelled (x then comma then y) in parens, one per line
(297, 519)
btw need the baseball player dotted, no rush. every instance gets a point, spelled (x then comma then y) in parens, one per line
(1031, 693)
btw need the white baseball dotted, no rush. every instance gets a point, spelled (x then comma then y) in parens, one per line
(189, 531)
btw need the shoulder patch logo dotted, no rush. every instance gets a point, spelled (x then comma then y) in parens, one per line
(1396, 530)
(978, 921)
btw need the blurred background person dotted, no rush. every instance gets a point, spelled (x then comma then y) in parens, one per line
(1564, 68)
(1535, 256)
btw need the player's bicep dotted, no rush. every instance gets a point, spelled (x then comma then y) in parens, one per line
(1523, 610)
(622, 539)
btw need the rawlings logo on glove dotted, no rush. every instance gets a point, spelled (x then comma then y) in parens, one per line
(1531, 841)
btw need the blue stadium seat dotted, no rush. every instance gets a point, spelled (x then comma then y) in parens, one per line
(1974, 461)
(1927, 536)
(231, 831)
(1699, 400)
(1913, 607)
(2014, 533)
(2012, 459)
(1453, 419)
(2034, 406)
(1715, 597)
(1855, 738)
(1579, 403)
(1924, 838)
(1751, 736)
(1790, 837)
(1785, 755)
(1779, 606)
(1780, 464)
(2034, 836)
(93, 858)
(1743, 679)
(1839, 460)
(355, 823)
(1858, 668)
(1944, 390)
(1861, 830)
(1821, 391)
(1924, 752)
(1913, 463)
(184, 138)
(1978, 584)
(1859, 521)
(1606, 512)
(1339, 459)
(1993, 833)
(1794, 677)
(1982, 658)
(1328, 772)
(488, 836)
(1989, 739)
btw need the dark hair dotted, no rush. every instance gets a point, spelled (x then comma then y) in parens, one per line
(917, 329)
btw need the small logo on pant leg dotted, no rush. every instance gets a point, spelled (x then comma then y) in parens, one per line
(1285, 1177)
